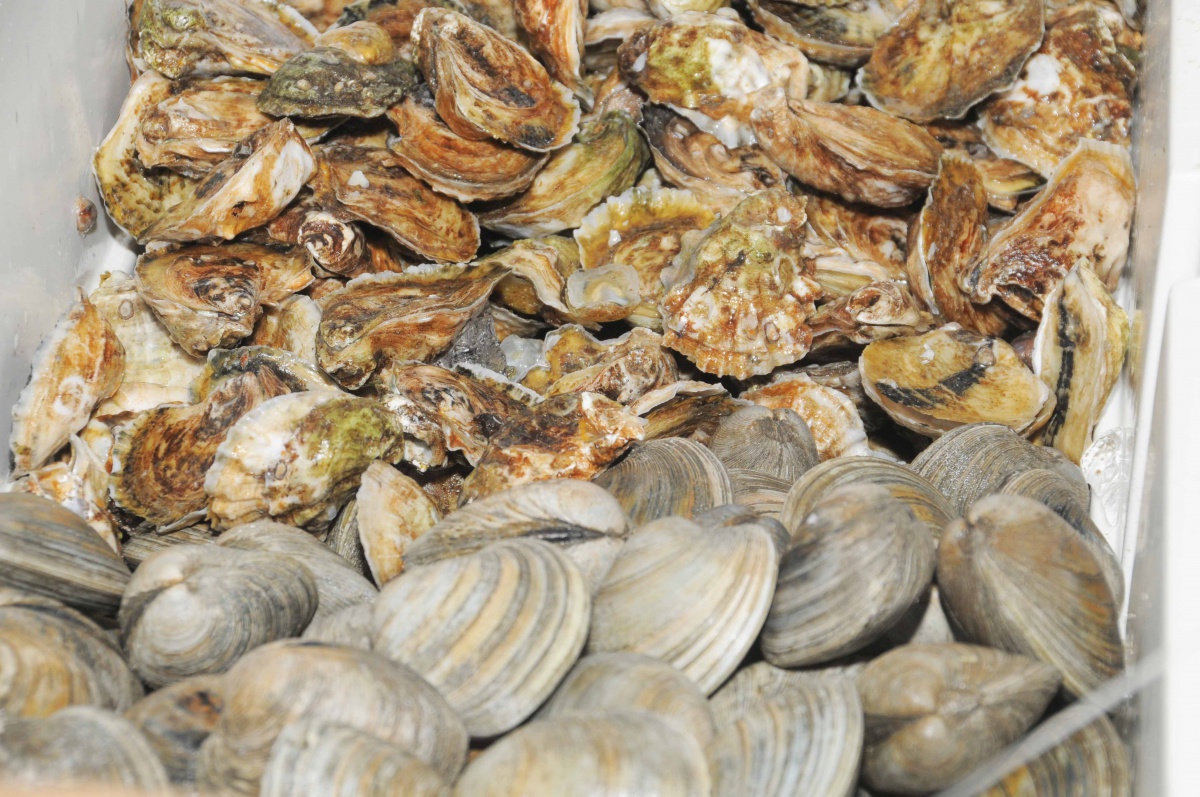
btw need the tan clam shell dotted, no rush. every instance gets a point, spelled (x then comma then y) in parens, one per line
(590, 756)
(762, 494)
(858, 562)
(494, 631)
(52, 657)
(1094, 760)
(671, 476)
(49, 551)
(81, 745)
(142, 545)
(328, 758)
(691, 596)
(392, 512)
(176, 720)
(832, 417)
(773, 442)
(278, 684)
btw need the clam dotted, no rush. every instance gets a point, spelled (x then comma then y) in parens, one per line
(1015, 575)
(762, 494)
(52, 657)
(937, 61)
(855, 152)
(833, 33)
(349, 627)
(951, 377)
(464, 168)
(857, 563)
(249, 188)
(343, 538)
(1078, 352)
(1079, 66)
(329, 758)
(554, 30)
(80, 745)
(623, 369)
(284, 682)
(392, 512)
(875, 311)
(694, 597)
(1092, 761)
(738, 295)
(671, 476)
(50, 552)
(141, 545)
(296, 458)
(80, 484)
(590, 756)
(77, 366)
(936, 712)
(905, 485)
(1082, 217)
(214, 37)
(844, 377)
(730, 516)
(485, 85)
(831, 417)
(774, 442)
(290, 326)
(569, 436)
(494, 631)
(176, 719)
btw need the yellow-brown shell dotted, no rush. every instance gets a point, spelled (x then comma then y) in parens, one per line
(833, 33)
(623, 369)
(554, 30)
(863, 232)
(832, 418)
(876, 311)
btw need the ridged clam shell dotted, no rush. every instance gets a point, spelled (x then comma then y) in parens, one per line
(624, 753)
(142, 545)
(176, 719)
(1092, 762)
(343, 538)
(52, 657)
(82, 745)
(935, 712)
(763, 681)
(494, 631)
(673, 476)
(918, 494)
(759, 492)
(860, 560)
(693, 597)
(350, 627)
(50, 551)
(193, 609)
(604, 683)
(326, 758)
(1016, 576)
(728, 516)
(776, 443)
(284, 682)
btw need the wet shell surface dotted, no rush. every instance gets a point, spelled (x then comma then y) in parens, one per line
(842, 34)
(776, 443)
(176, 719)
(672, 476)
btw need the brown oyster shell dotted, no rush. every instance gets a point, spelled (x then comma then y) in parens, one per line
(842, 34)
(863, 232)
(857, 153)
(291, 326)
(539, 270)
(738, 296)
(623, 369)
(485, 85)
(941, 58)
(80, 484)
(876, 311)
(554, 31)
(832, 418)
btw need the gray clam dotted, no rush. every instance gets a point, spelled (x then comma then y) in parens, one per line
(176, 719)
(672, 476)
(1093, 762)
(757, 491)
(775, 443)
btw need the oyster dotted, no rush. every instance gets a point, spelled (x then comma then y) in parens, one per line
(397, 17)
(623, 369)
(862, 233)
(290, 326)
(81, 363)
(176, 719)
(669, 477)
(876, 311)
(393, 511)
(485, 85)
(950, 377)
(738, 295)
(1079, 84)
(80, 484)
(834, 33)
(857, 153)
(1078, 353)
(686, 409)
(214, 37)
(832, 418)
(604, 32)
(607, 293)
(940, 59)
(774, 442)
(464, 168)
(540, 269)
(263, 174)
(1082, 216)
(554, 30)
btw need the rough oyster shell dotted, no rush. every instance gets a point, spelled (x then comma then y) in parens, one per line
(938, 60)
(290, 326)
(876, 311)
(864, 233)
(1083, 215)
(623, 369)
(950, 377)
(669, 477)
(686, 409)
(855, 152)
(774, 442)
(485, 85)
(554, 31)
(80, 484)
(393, 511)
(836, 33)
(607, 30)
(832, 418)
(176, 719)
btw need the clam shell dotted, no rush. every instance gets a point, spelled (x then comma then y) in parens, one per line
(859, 561)
(935, 712)
(672, 476)
(832, 417)
(494, 631)
(763, 494)
(588, 756)
(343, 538)
(349, 627)
(278, 684)
(176, 719)
(763, 682)
(776, 443)
(728, 516)
(690, 596)
(1093, 761)
(391, 512)
(1016, 576)
(141, 546)
(52, 657)
(49, 551)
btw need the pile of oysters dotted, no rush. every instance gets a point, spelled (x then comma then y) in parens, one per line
(490, 365)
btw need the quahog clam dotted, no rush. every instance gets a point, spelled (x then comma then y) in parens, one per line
(176, 720)
(774, 442)
(832, 418)
(1093, 761)
(671, 476)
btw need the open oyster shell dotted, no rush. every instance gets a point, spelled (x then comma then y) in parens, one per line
(842, 34)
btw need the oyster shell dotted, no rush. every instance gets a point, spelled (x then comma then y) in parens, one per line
(464, 168)
(623, 369)
(863, 233)
(607, 293)
(938, 60)
(554, 31)
(1015, 575)
(485, 85)
(855, 152)
(607, 30)
(876, 311)
(1078, 353)
(176, 719)
(950, 377)
(774, 442)
(393, 511)
(834, 33)
(1079, 84)
(832, 418)
(80, 484)
(668, 477)
(290, 326)
(81, 363)
(686, 409)
(1094, 760)
(1083, 215)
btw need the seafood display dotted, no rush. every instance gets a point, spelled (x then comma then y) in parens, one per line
(551, 398)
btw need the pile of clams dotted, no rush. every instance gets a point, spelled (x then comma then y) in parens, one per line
(543, 397)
